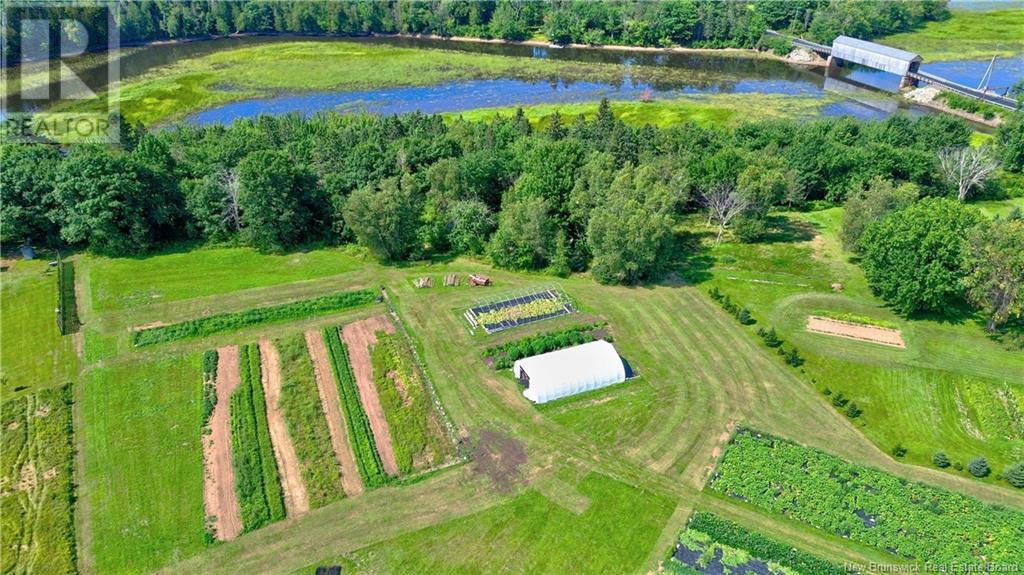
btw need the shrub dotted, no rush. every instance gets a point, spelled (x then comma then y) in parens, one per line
(1015, 475)
(853, 411)
(839, 400)
(978, 467)
(777, 44)
(771, 339)
(760, 546)
(941, 460)
(715, 293)
(793, 358)
(359, 432)
(958, 466)
(898, 450)
(210, 325)
(744, 317)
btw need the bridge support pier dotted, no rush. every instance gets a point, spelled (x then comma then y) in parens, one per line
(907, 82)
(833, 64)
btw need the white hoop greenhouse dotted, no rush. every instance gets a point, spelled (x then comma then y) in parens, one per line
(569, 371)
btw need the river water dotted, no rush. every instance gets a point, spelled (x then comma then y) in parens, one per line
(863, 93)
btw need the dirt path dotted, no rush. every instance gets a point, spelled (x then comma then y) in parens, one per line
(359, 336)
(219, 477)
(296, 500)
(332, 410)
(882, 335)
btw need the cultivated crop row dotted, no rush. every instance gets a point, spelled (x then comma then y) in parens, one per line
(359, 432)
(506, 354)
(257, 483)
(209, 386)
(37, 534)
(738, 537)
(866, 505)
(415, 432)
(210, 325)
(537, 307)
(307, 425)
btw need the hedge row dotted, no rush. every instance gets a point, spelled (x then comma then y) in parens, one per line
(762, 547)
(307, 424)
(210, 325)
(414, 432)
(359, 432)
(208, 393)
(506, 354)
(67, 303)
(256, 480)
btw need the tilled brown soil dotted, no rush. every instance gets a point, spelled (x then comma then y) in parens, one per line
(882, 335)
(331, 403)
(359, 336)
(296, 500)
(219, 475)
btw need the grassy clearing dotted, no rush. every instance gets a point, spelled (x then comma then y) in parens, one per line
(36, 487)
(127, 283)
(912, 397)
(143, 475)
(257, 484)
(705, 110)
(416, 435)
(359, 433)
(532, 533)
(307, 426)
(237, 320)
(966, 35)
(39, 357)
(866, 505)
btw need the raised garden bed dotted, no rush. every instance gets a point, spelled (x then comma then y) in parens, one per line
(519, 310)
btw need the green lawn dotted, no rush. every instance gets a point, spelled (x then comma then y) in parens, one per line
(933, 396)
(126, 283)
(704, 109)
(598, 525)
(34, 354)
(142, 480)
(966, 35)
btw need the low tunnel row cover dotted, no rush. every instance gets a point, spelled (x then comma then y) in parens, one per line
(570, 371)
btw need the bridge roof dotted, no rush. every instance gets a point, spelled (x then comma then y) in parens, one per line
(875, 55)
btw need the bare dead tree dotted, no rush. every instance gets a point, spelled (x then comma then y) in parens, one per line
(228, 181)
(966, 168)
(723, 203)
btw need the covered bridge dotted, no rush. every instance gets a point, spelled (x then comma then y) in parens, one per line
(892, 60)
(570, 371)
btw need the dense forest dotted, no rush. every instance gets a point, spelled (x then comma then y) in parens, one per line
(596, 195)
(707, 23)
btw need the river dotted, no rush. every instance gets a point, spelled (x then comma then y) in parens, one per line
(862, 93)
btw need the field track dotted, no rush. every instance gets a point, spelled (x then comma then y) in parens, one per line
(359, 336)
(296, 500)
(219, 476)
(331, 403)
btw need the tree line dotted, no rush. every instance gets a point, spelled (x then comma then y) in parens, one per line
(598, 194)
(709, 23)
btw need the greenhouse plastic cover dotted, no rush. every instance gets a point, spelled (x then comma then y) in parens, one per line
(570, 371)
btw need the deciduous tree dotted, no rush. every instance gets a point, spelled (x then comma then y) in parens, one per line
(994, 262)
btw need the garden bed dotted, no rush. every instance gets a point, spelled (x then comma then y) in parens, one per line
(222, 513)
(519, 310)
(858, 331)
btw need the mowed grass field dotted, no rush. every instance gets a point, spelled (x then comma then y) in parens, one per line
(966, 35)
(941, 393)
(34, 354)
(640, 450)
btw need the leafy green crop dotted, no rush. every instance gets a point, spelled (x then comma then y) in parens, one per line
(866, 505)
(257, 484)
(210, 325)
(526, 310)
(359, 432)
(507, 353)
